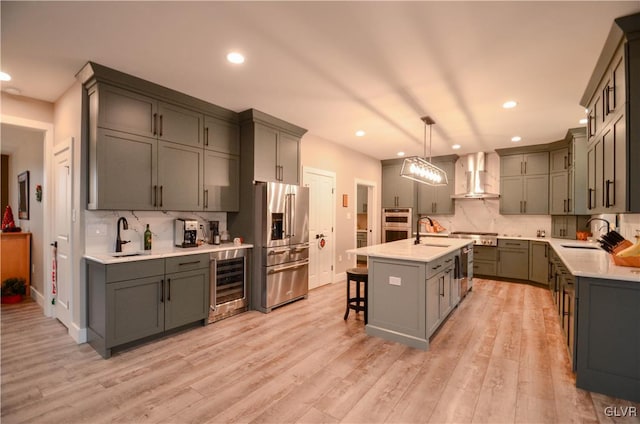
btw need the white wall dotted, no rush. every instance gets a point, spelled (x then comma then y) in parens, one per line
(348, 166)
(27, 155)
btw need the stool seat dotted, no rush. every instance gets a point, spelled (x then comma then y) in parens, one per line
(359, 302)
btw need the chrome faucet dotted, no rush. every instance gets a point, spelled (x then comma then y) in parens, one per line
(420, 218)
(598, 219)
(125, 226)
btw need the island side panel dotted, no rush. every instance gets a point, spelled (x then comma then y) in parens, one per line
(397, 301)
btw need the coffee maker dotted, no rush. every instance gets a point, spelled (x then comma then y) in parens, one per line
(185, 232)
(214, 233)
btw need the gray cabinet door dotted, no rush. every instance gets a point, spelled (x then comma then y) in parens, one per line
(591, 178)
(511, 165)
(444, 202)
(513, 263)
(180, 177)
(186, 297)
(536, 195)
(123, 173)
(538, 262)
(445, 293)
(135, 309)
(125, 111)
(221, 136)
(289, 158)
(179, 125)
(397, 191)
(221, 182)
(558, 193)
(426, 198)
(559, 160)
(558, 226)
(536, 163)
(614, 157)
(511, 195)
(433, 303)
(265, 151)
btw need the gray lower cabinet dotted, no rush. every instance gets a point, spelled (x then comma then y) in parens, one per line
(131, 301)
(485, 261)
(433, 303)
(608, 330)
(513, 259)
(539, 262)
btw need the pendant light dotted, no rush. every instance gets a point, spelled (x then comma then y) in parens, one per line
(419, 168)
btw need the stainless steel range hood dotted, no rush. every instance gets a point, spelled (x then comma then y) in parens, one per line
(476, 175)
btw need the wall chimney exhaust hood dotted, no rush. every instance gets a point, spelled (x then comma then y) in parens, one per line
(476, 176)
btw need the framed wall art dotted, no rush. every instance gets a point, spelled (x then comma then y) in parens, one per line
(23, 195)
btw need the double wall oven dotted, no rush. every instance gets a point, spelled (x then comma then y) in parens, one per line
(396, 224)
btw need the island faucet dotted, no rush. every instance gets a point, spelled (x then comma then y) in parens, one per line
(125, 226)
(598, 219)
(420, 218)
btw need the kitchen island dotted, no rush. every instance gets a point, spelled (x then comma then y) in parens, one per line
(412, 288)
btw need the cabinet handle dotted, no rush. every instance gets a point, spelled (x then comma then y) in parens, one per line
(566, 162)
(525, 164)
(161, 125)
(546, 250)
(188, 263)
(569, 204)
(155, 124)
(442, 286)
(608, 184)
(155, 196)
(589, 206)
(206, 199)
(161, 196)
(436, 267)
(564, 205)
(161, 291)
(521, 168)
(524, 202)
(206, 136)
(169, 290)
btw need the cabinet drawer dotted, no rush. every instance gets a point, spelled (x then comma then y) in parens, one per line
(484, 267)
(186, 263)
(513, 244)
(435, 267)
(135, 269)
(485, 253)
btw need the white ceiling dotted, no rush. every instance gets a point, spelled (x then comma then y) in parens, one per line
(336, 67)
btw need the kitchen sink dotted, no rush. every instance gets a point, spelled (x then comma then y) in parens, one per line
(577, 246)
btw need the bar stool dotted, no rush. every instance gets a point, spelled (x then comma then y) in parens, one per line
(359, 302)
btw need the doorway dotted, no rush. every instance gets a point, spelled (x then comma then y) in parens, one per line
(321, 224)
(365, 217)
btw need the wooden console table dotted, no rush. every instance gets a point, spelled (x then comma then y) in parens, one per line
(16, 257)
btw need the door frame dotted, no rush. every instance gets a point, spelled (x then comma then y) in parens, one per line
(42, 299)
(309, 170)
(373, 213)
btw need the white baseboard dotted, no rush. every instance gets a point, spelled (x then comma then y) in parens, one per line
(78, 334)
(38, 297)
(341, 276)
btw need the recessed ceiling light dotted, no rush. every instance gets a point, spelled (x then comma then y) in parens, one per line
(235, 57)
(360, 133)
(516, 138)
(4, 76)
(509, 104)
(400, 153)
(456, 146)
(583, 121)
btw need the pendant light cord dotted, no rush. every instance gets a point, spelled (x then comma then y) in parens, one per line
(425, 141)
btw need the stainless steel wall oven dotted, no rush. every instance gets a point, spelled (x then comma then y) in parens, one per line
(396, 224)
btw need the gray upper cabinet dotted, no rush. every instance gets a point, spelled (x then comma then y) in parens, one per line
(524, 183)
(122, 171)
(270, 148)
(221, 181)
(613, 104)
(558, 193)
(436, 200)
(397, 191)
(179, 125)
(559, 160)
(147, 146)
(180, 175)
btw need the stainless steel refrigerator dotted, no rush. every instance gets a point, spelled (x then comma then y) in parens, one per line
(282, 237)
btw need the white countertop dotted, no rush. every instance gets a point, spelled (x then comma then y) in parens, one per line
(110, 258)
(428, 249)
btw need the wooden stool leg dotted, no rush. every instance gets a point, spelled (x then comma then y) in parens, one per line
(346, 313)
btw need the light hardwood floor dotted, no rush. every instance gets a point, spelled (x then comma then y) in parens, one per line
(499, 358)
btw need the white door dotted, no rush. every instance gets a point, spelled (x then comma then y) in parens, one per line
(62, 209)
(321, 238)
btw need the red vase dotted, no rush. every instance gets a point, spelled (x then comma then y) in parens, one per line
(14, 298)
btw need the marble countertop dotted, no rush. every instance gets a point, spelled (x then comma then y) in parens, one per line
(428, 250)
(130, 256)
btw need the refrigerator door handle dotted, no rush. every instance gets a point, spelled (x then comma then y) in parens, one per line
(287, 218)
(292, 215)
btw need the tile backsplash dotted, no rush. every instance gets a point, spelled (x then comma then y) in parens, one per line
(100, 235)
